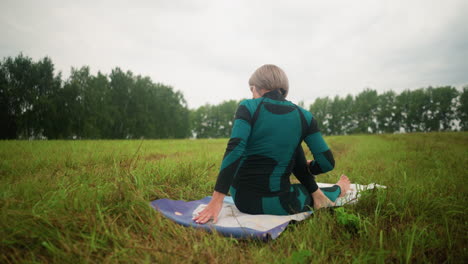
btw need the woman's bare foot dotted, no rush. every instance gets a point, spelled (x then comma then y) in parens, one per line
(345, 185)
(320, 200)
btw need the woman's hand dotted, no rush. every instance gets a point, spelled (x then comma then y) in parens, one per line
(308, 163)
(212, 210)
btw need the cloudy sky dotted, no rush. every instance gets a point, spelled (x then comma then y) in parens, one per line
(209, 48)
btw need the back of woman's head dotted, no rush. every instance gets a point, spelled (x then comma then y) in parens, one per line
(270, 77)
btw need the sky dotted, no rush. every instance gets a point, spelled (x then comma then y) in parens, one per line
(209, 49)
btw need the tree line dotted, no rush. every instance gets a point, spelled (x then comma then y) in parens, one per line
(36, 103)
(422, 110)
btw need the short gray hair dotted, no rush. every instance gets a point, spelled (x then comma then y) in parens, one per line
(270, 77)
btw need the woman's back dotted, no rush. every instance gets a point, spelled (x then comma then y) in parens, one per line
(276, 132)
(261, 155)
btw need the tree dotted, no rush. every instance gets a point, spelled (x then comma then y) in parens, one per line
(335, 110)
(213, 121)
(385, 115)
(441, 111)
(8, 104)
(349, 116)
(225, 112)
(121, 83)
(27, 90)
(365, 108)
(462, 109)
(341, 118)
(320, 111)
(412, 109)
(203, 125)
(19, 76)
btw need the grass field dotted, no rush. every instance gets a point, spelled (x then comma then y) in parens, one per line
(88, 201)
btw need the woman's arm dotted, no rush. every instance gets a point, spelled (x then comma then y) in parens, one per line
(323, 157)
(231, 160)
(323, 160)
(302, 172)
(235, 149)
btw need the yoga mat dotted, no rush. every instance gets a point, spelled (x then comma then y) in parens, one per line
(233, 223)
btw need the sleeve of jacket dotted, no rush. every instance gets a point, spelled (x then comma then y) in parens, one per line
(323, 157)
(235, 148)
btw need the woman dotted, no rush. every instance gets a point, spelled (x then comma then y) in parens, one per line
(265, 147)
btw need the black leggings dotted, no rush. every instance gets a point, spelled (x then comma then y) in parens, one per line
(297, 199)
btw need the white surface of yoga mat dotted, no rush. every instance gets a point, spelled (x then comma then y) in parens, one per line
(230, 216)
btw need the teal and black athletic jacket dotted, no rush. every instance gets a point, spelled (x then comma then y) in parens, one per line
(263, 151)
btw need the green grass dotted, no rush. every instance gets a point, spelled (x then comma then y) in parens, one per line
(88, 201)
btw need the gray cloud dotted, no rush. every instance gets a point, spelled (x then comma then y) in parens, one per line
(208, 49)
